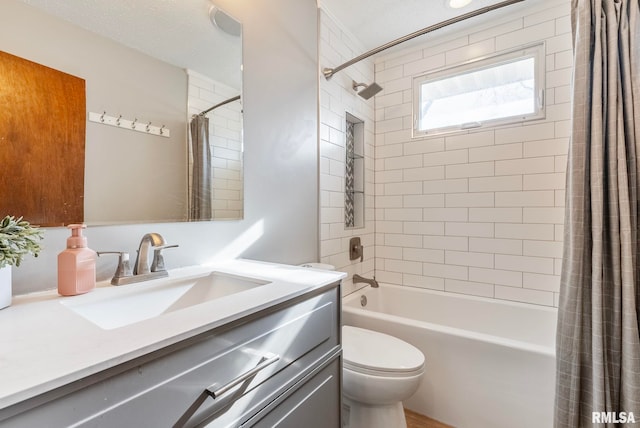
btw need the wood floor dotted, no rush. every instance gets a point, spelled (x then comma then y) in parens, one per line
(416, 420)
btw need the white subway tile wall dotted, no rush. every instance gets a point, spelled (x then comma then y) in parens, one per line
(477, 213)
(336, 99)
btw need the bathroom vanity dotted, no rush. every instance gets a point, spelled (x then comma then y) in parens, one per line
(265, 356)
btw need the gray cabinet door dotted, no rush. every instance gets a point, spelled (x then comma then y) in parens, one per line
(315, 403)
(172, 389)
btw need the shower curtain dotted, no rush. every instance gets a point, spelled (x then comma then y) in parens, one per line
(598, 344)
(200, 203)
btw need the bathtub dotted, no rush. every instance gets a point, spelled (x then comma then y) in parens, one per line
(489, 363)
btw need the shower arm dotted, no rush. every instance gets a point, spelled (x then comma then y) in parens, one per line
(328, 72)
(230, 100)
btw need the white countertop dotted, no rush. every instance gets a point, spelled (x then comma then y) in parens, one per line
(45, 345)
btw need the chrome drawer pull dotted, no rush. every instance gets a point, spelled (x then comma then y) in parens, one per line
(263, 363)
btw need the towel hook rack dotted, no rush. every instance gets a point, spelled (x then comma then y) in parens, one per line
(133, 125)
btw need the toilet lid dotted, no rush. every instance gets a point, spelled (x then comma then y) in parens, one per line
(372, 350)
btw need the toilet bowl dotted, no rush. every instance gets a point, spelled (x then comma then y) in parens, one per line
(379, 371)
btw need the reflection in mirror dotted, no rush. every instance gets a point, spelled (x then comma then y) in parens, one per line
(216, 162)
(131, 177)
(215, 157)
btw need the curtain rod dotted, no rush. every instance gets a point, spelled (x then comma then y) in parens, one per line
(328, 72)
(230, 100)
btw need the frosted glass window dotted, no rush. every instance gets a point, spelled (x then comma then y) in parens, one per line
(496, 90)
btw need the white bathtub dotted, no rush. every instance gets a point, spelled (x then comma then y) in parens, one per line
(489, 363)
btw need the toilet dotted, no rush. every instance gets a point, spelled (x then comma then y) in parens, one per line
(379, 371)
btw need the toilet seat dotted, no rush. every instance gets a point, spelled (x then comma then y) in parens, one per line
(374, 353)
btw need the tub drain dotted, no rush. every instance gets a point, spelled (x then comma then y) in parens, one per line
(363, 300)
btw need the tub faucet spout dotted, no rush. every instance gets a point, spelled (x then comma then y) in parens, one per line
(372, 282)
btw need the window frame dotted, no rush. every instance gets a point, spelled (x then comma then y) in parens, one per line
(535, 51)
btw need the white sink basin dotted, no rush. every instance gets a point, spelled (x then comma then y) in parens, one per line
(113, 307)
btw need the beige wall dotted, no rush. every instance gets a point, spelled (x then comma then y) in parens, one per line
(280, 102)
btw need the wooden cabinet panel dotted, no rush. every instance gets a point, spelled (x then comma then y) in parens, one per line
(42, 143)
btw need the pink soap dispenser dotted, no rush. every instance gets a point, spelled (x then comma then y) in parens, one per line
(76, 264)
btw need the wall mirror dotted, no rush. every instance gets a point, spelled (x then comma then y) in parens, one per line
(161, 65)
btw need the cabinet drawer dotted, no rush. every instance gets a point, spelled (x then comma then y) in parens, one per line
(313, 403)
(172, 389)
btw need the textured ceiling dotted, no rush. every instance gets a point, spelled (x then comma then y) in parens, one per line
(180, 32)
(175, 31)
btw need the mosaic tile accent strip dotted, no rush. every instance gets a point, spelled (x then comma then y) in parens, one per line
(349, 188)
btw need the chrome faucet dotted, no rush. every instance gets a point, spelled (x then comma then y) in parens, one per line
(141, 269)
(142, 259)
(372, 282)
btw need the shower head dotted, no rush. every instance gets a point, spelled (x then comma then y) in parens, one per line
(368, 91)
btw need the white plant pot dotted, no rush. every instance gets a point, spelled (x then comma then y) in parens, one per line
(5, 286)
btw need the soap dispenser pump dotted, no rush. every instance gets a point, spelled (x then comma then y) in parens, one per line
(76, 264)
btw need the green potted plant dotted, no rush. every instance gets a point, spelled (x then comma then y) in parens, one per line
(18, 239)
